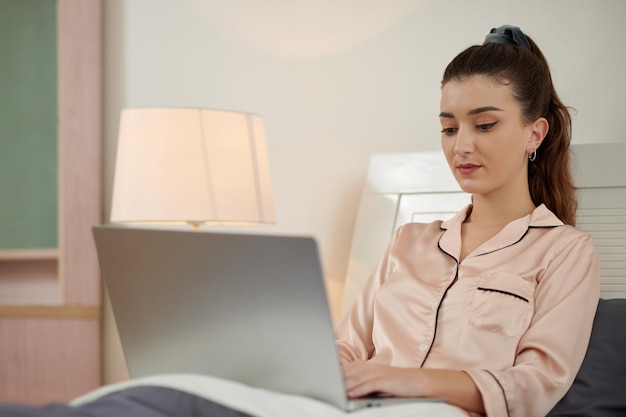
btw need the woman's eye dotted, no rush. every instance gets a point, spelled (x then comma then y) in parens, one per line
(449, 130)
(485, 127)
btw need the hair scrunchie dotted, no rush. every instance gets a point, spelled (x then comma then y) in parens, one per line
(509, 35)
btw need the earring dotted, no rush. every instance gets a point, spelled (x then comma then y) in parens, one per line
(533, 155)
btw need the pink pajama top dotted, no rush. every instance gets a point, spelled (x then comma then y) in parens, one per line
(516, 314)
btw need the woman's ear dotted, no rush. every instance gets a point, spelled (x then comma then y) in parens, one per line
(539, 131)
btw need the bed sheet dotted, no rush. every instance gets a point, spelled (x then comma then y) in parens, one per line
(264, 403)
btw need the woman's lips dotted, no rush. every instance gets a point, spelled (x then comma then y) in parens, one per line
(467, 169)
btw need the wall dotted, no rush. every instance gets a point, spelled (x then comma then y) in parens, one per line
(337, 81)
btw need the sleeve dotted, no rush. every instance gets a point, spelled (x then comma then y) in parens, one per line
(354, 330)
(552, 349)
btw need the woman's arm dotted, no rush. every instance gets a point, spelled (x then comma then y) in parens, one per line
(354, 330)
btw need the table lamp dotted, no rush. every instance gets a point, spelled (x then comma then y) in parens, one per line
(194, 166)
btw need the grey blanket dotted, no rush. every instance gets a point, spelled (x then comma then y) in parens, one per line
(141, 401)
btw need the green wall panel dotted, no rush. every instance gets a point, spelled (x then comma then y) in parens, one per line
(28, 124)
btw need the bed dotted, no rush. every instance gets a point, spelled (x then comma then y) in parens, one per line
(401, 188)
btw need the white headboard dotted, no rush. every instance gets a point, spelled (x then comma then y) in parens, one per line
(419, 187)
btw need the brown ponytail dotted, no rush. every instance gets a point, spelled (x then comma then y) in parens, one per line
(526, 71)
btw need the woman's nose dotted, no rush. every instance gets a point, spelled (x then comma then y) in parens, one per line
(464, 142)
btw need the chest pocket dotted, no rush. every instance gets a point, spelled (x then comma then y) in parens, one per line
(503, 303)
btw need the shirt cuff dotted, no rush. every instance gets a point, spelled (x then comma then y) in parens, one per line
(492, 392)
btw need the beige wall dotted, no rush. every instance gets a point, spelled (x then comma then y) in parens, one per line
(338, 80)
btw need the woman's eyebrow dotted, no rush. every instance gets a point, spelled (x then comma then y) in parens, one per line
(483, 109)
(471, 112)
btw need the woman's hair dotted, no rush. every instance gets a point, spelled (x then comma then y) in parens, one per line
(520, 64)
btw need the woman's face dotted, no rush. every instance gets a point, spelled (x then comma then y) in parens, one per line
(484, 137)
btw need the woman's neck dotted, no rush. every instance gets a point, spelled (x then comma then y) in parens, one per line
(487, 212)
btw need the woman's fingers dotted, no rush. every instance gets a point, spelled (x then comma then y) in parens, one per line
(363, 378)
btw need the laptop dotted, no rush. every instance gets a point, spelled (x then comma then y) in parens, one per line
(244, 307)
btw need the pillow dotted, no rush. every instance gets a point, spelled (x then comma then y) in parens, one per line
(599, 389)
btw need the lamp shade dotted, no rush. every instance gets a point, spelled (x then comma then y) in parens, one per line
(183, 165)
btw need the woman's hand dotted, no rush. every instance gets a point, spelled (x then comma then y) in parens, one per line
(364, 378)
(455, 387)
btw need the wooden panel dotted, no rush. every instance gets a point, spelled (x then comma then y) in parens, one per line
(80, 131)
(48, 360)
(49, 312)
(52, 353)
(28, 282)
(29, 277)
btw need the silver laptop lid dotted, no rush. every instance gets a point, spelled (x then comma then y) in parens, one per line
(249, 308)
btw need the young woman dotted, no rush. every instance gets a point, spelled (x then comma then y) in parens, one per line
(491, 310)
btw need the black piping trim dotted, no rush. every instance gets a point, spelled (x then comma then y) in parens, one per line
(508, 246)
(441, 249)
(456, 276)
(506, 402)
(503, 292)
(519, 240)
(445, 293)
